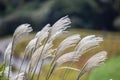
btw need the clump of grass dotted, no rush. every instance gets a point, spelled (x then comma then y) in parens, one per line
(41, 48)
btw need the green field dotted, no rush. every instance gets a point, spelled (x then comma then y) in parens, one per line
(109, 71)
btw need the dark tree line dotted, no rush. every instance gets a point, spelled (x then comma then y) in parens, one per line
(90, 14)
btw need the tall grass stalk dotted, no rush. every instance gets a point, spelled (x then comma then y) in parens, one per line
(41, 47)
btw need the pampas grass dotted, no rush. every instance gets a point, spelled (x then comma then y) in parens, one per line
(96, 60)
(41, 47)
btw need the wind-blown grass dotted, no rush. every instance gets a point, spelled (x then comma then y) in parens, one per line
(41, 48)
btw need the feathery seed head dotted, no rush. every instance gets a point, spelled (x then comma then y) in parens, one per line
(8, 51)
(31, 46)
(20, 33)
(96, 60)
(23, 29)
(45, 29)
(66, 58)
(87, 44)
(59, 27)
(44, 50)
(62, 24)
(40, 53)
(68, 42)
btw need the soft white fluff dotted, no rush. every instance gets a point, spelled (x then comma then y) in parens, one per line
(59, 27)
(43, 34)
(45, 29)
(96, 60)
(21, 33)
(8, 51)
(87, 43)
(66, 57)
(41, 47)
(68, 42)
(37, 41)
(31, 46)
(40, 53)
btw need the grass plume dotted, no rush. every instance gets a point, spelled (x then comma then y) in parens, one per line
(41, 47)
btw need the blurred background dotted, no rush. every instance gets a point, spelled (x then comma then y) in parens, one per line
(87, 14)
(99, 17)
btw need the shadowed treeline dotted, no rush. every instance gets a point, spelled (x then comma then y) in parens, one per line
(89, 14)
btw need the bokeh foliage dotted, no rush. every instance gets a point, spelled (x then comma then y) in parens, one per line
(90, 14)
